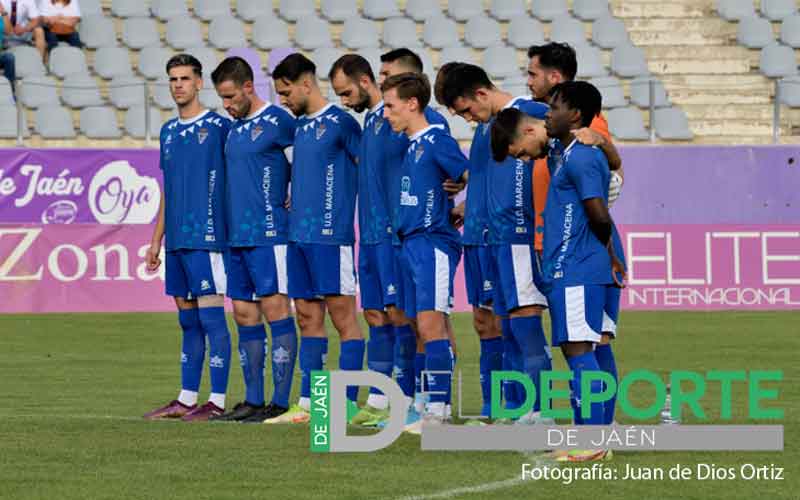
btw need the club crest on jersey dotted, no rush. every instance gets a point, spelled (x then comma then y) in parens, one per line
(321, 129)
(378, 125)
(256, 132)
(418, 153)
(202, 135)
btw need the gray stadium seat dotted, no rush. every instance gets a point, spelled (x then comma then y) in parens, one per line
(609, 32)
(459, 128)
(135, 122)
(112, 61)
(462, 10)
(208, 95)
(226, 32)
(100, 122)
(589, 10)
(627, 124)
(127, 8)
(400, 32)
(153, 61)
(525, 31)
(628, 61)
(547, 10)
(169, 9)
(65, 60)
(250, 10)
(270, 32)
(35, 91)
(211, 9)
(640, 92)
(359, 33)
(778, 60)
(457, 53)
(611, 90)
(481, 32)
(27, 61)
(140, 32)
(183, 32)
(54, 122)
(733, 10)
(516, 85)
(420, 10)
(8, 127)
(207, 57)
(500, 61)
(338, 10)
(161, 94)
(126, 91)
(97, 31)
(567, 29)
(672, 124)
(80, 91)
(590, 61)
(790, 91)
(440, 32)
(755, 32)
(373, 55)
(777, 10)
(380, 9)
(312, 33)
(294, 10)
(790, 31)
(427, 62)
(507, 10)
(324, 59)
(7, 94)
(90, 8)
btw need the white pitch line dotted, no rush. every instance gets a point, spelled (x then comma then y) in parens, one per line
(74, 417)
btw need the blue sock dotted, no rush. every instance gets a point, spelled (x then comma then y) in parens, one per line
(607, 363)
(351, 357)
(578, 365)
(380, 352)
(193, 350)
(284, 353)
(530, 337)
(512, 361)
(438, 358)
(219, 347)
(405, 345)
(449, 397)
(491, 360)
(419, 365)
(573, 403)
(252, 343)
(312, 350)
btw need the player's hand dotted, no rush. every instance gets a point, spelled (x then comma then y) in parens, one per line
(614, 188)
(457, 216)
(618, 272)
(589, 137)
(19, 30)
(152, 258)
(453, 187)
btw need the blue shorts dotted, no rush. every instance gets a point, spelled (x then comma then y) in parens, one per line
(430, 270)
(518, 278)
(576, 313)
(611, 310)
(255, 272)
(399, 272)
(479, 275)
(376, 277)
(194, 273)
(317, 270)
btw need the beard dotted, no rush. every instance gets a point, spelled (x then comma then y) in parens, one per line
(363, 101)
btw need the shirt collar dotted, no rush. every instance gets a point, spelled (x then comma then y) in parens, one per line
(424, 131)
(320, 112)
(189, 121)
(258, 111)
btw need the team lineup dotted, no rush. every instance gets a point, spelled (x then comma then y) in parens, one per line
(262, 209)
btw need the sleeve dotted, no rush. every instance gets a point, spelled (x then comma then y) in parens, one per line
(600, 125)
(541, 184)
(535, 109)
(436, 118)
(585, 171)
(351, 137)
(33, 11)
(286, 128)
(76, 8)
(449, 157)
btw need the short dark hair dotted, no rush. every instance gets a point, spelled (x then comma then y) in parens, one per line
(405, 57)
(410, 85)
(441, 80)
(463, 81)
(504, 131)
(233, 69)
(185, 60)
(579, 96)
(353, 66)
(293, 67)
(558, 56)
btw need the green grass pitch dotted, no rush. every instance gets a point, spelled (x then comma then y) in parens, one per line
(73, 388)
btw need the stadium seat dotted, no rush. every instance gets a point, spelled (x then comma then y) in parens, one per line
(590, 10)
(7, 94)
(97, 31)
(8, 127)
(609, 32)
(65, 60)
(790, 91)
(590, 61)
(733, 10)
(250, 10)
(126, 91)
(507, 10)
(208, 95)
(35, 91)
(252, 57)
(112, 61)
(54, 122)
(481, 32)
(548, 10)
(359, 33)
(400, 32)
(790, 31)
(294, 10)
(611, 90)
(627, 124)
(90, 8)
(168, 9)
(778, 60)
(567, 29)
(459, 128)
(277, 55)
(270, 32)
(207, 57)
(135, 125)
(183, 32)
(672, 124)
(211, 9)
(516, 85)
(457, 53)
(126, 8)
(100, 122)
(640, 92)
(440, 32)
(777, 10)
(525, 31)
(324, 58)
(80, 91)
(161, 94)
(153, 61)
(140, 32)
(339, 10)
(628, 61)
(27, 61)
(312, 33)
(462, 10)
(380, 9)
(226, 32)
(754, 32)
(420, 10)
(500, 61)
(373, 55)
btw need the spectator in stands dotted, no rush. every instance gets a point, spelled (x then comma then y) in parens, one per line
(25, 26)
(6, 58)
(60, 20)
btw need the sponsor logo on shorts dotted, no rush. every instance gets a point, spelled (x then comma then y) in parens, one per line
(391, 290)
(205, 285)
(216, 362)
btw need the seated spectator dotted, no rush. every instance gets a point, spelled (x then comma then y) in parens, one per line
(7, 62)
(25, 27)
(60, 20)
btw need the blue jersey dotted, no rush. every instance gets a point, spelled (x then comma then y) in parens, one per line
(382, 151)
(433, 156)
(324, 177)
(572, 253)
(510, 212)
(193, 160)
(258, 178)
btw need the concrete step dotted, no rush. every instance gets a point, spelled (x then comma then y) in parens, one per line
(669, 31)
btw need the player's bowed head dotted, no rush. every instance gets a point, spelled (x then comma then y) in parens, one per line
(519, 135)
(405, 97)
(296, 84)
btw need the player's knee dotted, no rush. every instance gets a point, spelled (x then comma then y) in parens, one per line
(397, 317)
(375, 318)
